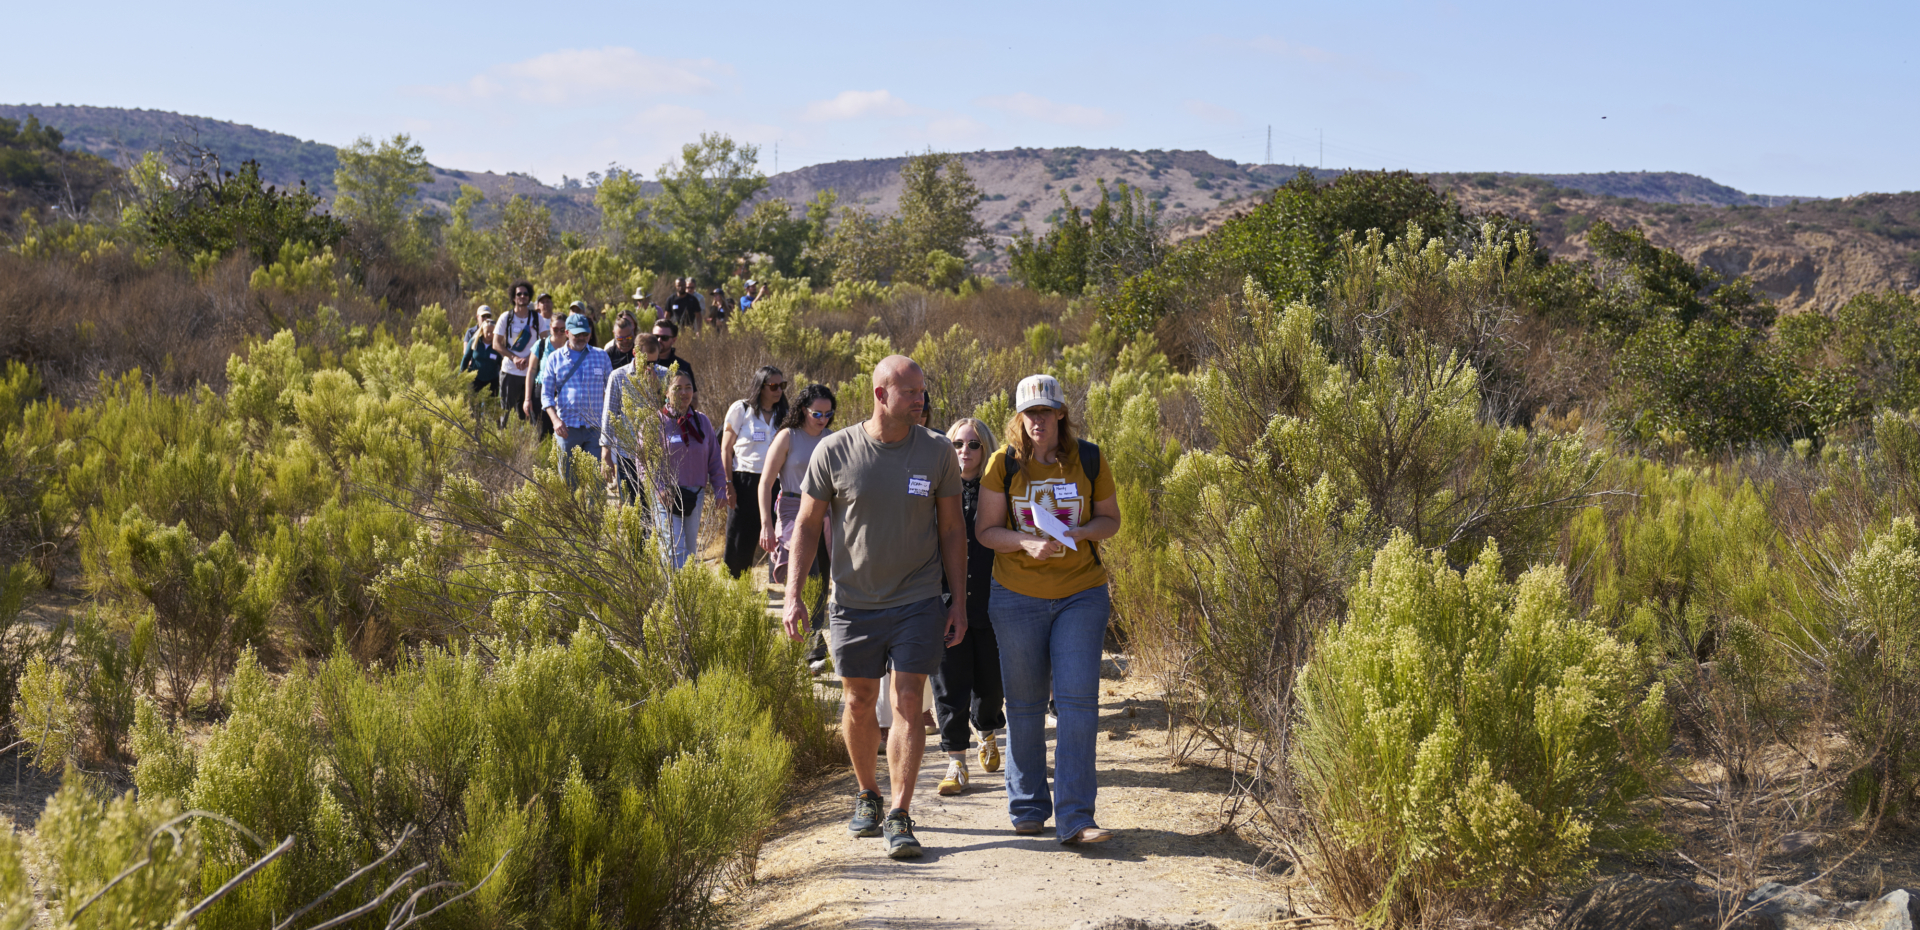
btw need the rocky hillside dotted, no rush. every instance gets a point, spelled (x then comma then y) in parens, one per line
(1803, 252)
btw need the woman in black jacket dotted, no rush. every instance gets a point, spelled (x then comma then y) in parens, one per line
(967, 687)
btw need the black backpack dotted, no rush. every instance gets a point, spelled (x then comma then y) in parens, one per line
(1089, 463)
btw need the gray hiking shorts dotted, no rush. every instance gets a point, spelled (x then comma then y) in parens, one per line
(910, 638)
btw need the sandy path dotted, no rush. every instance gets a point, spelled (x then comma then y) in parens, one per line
(1167, 861)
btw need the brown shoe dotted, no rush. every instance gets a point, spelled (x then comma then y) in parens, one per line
(1029, 827)
(1087, 836)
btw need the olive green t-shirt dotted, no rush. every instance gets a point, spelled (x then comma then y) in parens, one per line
(1063, 488)
(884, 520)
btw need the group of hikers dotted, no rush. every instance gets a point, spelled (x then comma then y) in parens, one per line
(954, 559)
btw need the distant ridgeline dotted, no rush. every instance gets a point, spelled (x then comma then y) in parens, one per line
(121, 135)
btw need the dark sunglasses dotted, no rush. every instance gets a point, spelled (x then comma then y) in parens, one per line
(819, 415)
(969, 444)
(778, 387)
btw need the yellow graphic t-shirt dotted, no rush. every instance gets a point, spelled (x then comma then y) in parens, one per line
(1064, 489)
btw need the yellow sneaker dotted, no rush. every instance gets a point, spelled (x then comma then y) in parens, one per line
(990, 753)
(956, 780)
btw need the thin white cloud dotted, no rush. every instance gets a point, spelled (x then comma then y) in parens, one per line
(1040, 109)
(1212, 113)
(858, 104)
(572, 76)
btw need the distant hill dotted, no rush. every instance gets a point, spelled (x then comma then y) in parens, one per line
(121, 136)
(1804, 252)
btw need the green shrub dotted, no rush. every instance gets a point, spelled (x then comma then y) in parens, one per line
(601, 802)
(89, 840)
(206, 602)
(1872, 644)
(1465, 740)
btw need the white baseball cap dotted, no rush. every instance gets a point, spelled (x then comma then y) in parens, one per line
(1038, 391)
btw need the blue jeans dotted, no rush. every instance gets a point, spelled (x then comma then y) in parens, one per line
(584, 438)
(683, 529)
(1051, 642)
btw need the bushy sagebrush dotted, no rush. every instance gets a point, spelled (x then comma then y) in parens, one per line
(1464, 740)
(1872, 642)
(1316, 462)
(600, 801)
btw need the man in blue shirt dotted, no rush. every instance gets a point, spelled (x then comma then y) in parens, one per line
(573, 390)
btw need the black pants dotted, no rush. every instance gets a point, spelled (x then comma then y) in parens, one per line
(967, 689)
(743, 524)
(513, 395)
(486, 384)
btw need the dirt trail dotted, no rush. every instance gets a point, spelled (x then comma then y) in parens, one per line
(1168, 861)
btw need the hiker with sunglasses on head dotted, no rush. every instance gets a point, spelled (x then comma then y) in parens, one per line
(967, 687)
(807, 422)
(514, 337)
(748, 432)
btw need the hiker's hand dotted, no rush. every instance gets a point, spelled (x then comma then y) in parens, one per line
(1040, 548)
(795, 616)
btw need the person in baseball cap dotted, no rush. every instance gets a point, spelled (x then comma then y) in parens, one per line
(1039, 391)
(1045, 501)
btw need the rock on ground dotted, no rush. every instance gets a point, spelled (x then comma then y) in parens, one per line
(1776, 907)
(1139, 923)
(1633, 902)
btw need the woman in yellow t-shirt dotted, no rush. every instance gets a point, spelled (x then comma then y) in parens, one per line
(1049, 605)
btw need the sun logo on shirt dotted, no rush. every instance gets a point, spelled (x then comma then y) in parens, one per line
(1041, 494)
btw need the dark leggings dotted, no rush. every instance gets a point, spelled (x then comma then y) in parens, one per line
(743, 524)
(513, 392)
(967, 688)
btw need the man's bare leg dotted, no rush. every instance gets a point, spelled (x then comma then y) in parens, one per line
(908, 741)
(861, 729)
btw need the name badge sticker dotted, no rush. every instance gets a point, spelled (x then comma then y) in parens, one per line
(920, 486)
(1066, 492)
(673, 437)
(759, 434)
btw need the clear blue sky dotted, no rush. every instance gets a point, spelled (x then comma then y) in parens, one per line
(1770, 97)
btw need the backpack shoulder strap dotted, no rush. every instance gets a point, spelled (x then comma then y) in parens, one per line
(1013, 468)
(1089, 460)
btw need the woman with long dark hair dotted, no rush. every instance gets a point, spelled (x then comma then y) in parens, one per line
(748, 433)
(785, 466)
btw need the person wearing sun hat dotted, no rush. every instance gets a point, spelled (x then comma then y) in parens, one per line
(1045, 502)
(573, 390)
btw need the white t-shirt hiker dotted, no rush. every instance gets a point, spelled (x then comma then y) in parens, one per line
(752, 435)
(512, 326)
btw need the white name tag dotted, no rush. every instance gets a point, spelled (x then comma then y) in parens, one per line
(673, 437)
(759, 434)
(1066, 492)
(919, 486)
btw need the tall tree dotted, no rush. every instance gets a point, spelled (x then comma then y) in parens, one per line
(701, 192)
(937, 211)
(378, 184)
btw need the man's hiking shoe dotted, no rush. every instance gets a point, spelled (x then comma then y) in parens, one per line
(990, 753)
(900, 841)
(956, 780)
(866, 815)
(1029, 827)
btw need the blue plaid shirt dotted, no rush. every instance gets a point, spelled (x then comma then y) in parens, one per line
(576, 382)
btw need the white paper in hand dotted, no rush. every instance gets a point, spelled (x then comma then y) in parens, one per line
(1049, 524)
